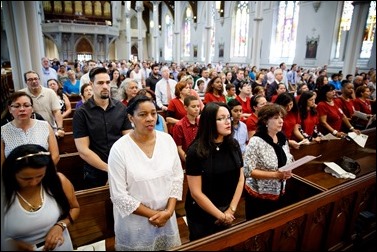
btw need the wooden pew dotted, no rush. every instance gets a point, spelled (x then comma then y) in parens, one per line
(66, 144)
(95, 222)
(322, 212)
(71, 165)
(67, 124)
(72, 113)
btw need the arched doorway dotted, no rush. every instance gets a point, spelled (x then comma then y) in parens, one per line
(84, 50)
(134, 52)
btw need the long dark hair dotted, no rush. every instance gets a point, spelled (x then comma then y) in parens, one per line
(303, 103)
(207, 131)
(18, 160)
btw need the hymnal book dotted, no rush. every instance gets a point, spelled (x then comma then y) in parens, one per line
(361, 139)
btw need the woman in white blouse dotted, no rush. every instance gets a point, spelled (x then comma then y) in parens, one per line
(25, 130)
(146, 180)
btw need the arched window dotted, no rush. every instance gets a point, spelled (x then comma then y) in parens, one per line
(106, 9)
(286, 30)
(78, 7)
(241, 29)
(68, 7)
(97, 8)
(369, 29)
(168, 38)
(187, 33)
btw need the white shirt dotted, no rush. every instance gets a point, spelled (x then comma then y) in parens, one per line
(136, 179)
(161, 91)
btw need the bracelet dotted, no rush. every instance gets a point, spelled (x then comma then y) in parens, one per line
(335, 132)
(60, 225)
(352, 128)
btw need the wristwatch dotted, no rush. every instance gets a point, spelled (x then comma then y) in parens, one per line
(233, 209)
(62, 224)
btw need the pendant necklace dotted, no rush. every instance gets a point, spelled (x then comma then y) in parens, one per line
(32, 208)
(218, 146)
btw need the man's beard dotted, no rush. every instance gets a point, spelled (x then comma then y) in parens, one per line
(104, 96)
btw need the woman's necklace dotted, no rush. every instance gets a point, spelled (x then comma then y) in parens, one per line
(218, 145)
(32, 208)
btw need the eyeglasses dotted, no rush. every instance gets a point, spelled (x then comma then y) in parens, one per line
(18, 106)
(32, 79)
(41, 153)
(225, 119)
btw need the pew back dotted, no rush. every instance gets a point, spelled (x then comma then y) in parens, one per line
(95, 222)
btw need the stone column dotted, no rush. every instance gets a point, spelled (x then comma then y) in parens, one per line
(127, 7)
(139, 10)
(208, 28)
(355, 35)
(177, 32)
(156, 45)
(257, 34)
(16, 28)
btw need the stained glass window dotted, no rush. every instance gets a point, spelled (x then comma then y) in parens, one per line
(168, 38)
(286, 30)
(187, 33)
(241, 29)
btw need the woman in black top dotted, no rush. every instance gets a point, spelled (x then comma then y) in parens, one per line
(214, 173)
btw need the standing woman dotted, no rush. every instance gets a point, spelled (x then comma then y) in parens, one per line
(39, 202)
(25, 130)
(214, 173)
(127, 90)
(65, 104)
(308, 115)
(267, 150)
(214, 91)
(330, 115)
(144, 187)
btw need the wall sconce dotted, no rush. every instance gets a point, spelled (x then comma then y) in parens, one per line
(316, 5)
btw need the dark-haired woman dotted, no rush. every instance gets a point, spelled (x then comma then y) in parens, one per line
(214, 173)
(146, 180)
(39, 202)
(267, 150)
(308, 115)
(330, 115)
(23, 129)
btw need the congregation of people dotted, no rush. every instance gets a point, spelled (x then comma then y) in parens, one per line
(142, 127)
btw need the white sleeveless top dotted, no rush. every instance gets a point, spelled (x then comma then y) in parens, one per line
(14, 137)
(32, 227)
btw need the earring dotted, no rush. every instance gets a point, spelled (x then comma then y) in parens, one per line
(266, 125)
(133, 125)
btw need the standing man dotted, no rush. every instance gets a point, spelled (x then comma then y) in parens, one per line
(85, 78)
(45, 102)
(98, 123)
(153, 78)
(47, 72)
(165, 89)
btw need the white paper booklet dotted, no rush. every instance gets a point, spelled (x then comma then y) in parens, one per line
(298, 163)
(337, 171)
(361, 139)
(329, 136)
